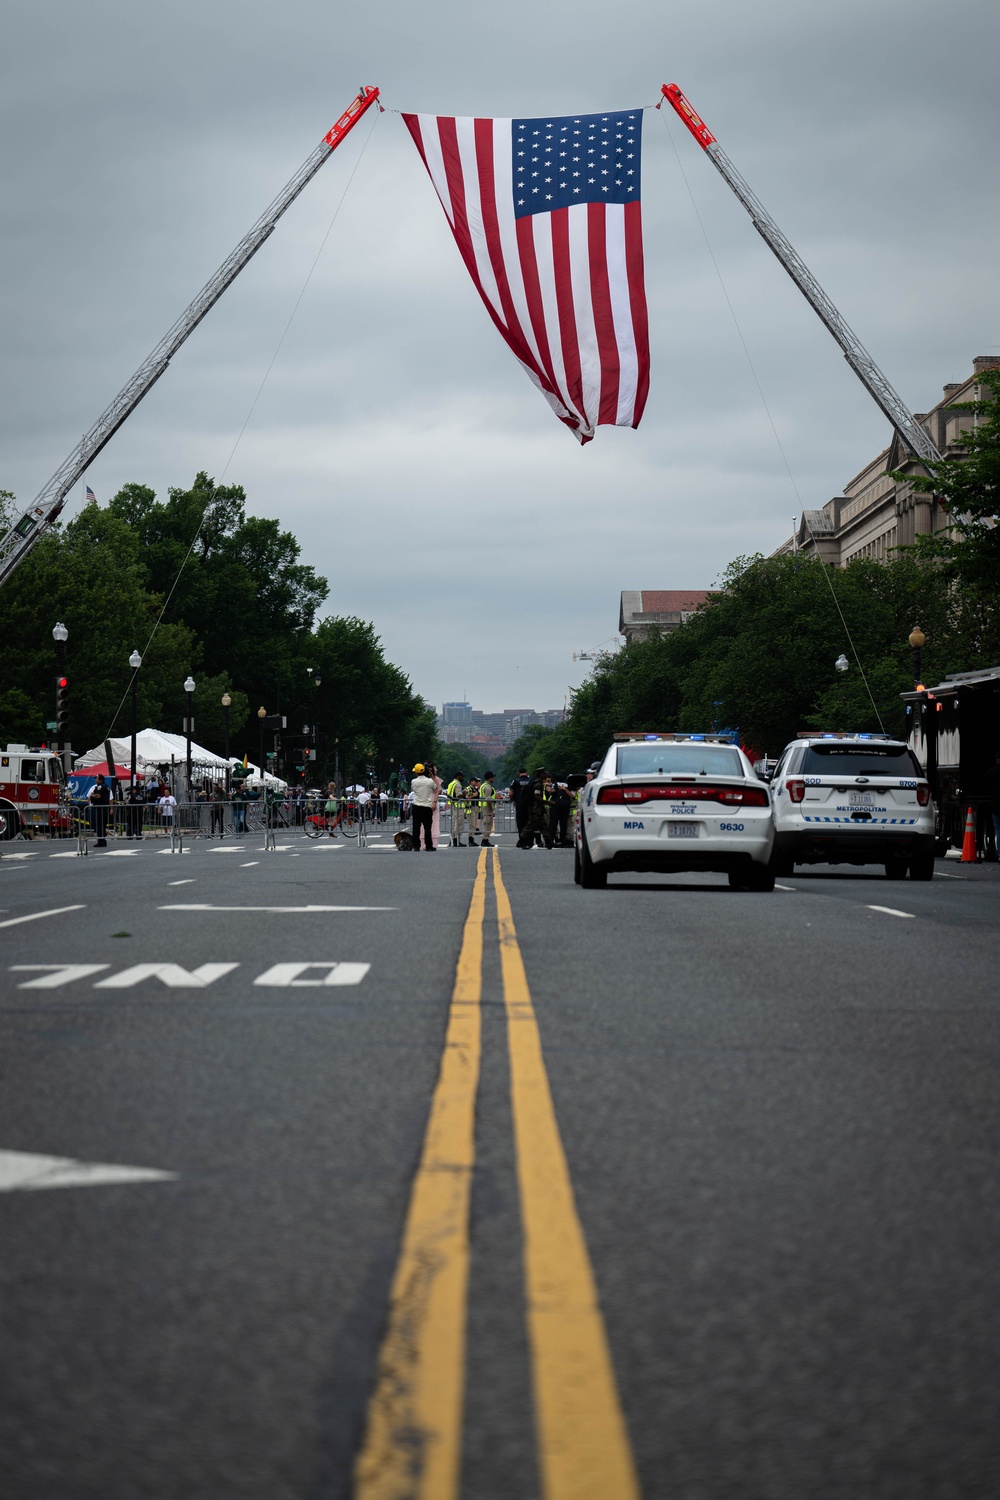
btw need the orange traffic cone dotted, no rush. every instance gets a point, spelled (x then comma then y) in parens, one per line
(969, 842)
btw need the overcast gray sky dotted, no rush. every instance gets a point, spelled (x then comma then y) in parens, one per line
(395, 435)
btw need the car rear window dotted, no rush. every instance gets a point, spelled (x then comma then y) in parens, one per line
(852, 760)
(694, 760)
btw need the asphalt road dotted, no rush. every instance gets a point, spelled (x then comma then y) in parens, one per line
(732, 1233)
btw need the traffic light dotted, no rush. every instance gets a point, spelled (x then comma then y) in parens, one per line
(62, 706)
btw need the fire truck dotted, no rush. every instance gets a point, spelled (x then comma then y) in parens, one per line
(32, 784)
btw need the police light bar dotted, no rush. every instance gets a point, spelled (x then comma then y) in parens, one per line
(841, 734)
(711, 739)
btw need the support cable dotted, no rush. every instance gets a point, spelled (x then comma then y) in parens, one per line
(770, 418)
(252, 408)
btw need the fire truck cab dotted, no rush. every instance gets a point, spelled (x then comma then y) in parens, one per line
(31, 782)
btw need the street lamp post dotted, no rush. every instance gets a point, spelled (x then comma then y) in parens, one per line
(261, 716)
(226, 701)
(60, 635)
(135, 662)
(917, 642)
(189, 729)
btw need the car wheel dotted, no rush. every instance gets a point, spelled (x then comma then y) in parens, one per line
(738, 880)
(895, 869)
(9, 823)
(577, 872)
(761, 878)
(783, 865)
(922, 868)
(592, 877)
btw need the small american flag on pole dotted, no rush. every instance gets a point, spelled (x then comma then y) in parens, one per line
(91, 497)
(547, 217)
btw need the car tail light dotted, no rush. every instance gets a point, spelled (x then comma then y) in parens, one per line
(796, 789)
(729, 796)
(923, 793)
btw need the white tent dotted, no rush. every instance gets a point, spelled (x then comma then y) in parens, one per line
(154, 747)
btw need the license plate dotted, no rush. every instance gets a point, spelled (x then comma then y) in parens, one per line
(682, 830)
(861, 799)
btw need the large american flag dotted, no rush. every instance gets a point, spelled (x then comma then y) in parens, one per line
(547, 217)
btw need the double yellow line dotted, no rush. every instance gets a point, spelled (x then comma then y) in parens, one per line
(413, 1442)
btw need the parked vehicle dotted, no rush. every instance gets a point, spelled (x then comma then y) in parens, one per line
(675, 802)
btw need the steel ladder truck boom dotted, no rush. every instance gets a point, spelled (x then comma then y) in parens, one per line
(857, 356)
(34, 522)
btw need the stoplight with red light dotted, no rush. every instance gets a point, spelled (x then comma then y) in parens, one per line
(62, 705)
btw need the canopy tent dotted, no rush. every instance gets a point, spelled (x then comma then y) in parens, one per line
(155, 747)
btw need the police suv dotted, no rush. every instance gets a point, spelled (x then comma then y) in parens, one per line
(675, 802)
(853, 799)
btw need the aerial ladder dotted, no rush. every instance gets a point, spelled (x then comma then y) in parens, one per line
(32, 524)
(857, 356)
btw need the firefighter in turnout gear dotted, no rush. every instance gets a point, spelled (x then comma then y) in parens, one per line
(456, 798)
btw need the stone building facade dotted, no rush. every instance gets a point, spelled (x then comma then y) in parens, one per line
(876, 512)
(643, 610)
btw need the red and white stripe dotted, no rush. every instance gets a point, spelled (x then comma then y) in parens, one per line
(564, 288)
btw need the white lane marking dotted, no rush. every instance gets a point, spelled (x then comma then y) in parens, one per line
(173, 851)
(119, 853)
(56, 911)
(169, 974)
(286, 976)
(219, 850)
(24, 854)
(69, 854)
(58, 974)
(321, 848)
(786, 887)
(942, 875)
(274, 908)
(189, 881)
(890, 911)
(250, 864)
(29, 1170)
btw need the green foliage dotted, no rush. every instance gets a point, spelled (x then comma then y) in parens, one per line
(461, 760)
(759, 658)
(239, 614)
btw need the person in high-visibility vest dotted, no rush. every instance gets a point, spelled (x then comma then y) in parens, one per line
(487, 806)
(472, 809)
(456, 797)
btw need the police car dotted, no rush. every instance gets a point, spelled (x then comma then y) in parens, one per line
(853, 799)
(675, 802)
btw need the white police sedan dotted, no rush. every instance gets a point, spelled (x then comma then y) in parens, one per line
(675, 802)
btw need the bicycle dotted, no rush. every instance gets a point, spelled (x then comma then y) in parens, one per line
(345, 822)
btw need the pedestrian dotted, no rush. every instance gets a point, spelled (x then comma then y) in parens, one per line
(521, 796)
(238, 797)
(383, 805)
(560, 803)
(218, 809)
(135, 799)
(423, 797)
(432, 772)
(993, 787)
(536, 825)
(456, 797)
(166, 805)
(487, 806)
(99, 798)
